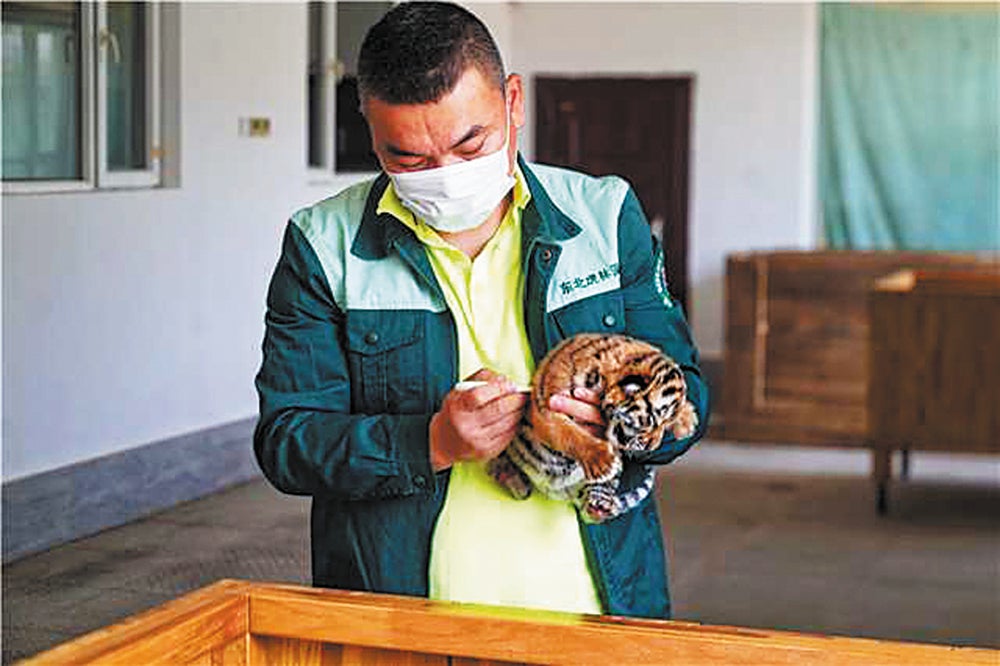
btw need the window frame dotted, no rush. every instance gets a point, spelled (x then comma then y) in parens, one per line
(333, 70)
(328, 111)
(94, 171)
(130, 178)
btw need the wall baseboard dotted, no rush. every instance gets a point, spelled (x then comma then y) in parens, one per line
(51, 508)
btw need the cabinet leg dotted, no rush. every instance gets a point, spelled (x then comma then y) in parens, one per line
(881, 472)
(904, 468)
(882, 499)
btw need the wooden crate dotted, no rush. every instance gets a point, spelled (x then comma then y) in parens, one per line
(796, 362)
(257, 624)
(934, 355)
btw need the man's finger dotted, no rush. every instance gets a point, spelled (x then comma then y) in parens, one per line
(505, 424)
(578, 410)
(509, 405)
(478, 397)
(586, 395)
(483, 375)
(498, 435)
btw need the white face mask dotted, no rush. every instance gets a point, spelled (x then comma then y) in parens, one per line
(459, 196)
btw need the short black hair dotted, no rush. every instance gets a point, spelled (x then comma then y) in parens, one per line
(417, 52)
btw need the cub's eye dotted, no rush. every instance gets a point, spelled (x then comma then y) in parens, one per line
(631, 385)
(665, 409)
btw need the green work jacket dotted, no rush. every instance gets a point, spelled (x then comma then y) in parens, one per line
(360, 349)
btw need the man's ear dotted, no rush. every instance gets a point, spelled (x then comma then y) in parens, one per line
(515, 99)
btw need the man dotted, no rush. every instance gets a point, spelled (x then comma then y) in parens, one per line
(460, 261)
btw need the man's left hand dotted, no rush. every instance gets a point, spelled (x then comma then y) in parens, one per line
(583, 406)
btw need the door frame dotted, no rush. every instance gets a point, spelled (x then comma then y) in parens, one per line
(677, 191)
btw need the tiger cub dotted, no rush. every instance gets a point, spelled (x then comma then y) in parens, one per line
(643, 395)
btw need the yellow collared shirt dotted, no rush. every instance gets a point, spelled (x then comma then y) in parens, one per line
(488, 547)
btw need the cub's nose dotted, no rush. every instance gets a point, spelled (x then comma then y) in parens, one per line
(621, 415)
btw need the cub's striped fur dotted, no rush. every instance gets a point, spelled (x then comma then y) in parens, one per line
(643, 395)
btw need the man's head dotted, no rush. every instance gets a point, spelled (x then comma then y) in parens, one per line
(443, 117)
(418, 51)
(433, 89)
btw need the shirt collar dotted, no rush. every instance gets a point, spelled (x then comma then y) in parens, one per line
(541, 219)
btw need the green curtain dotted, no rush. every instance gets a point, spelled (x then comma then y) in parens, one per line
(909, 130)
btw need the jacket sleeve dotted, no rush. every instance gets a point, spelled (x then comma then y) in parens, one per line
(307, 441)
(652, 315)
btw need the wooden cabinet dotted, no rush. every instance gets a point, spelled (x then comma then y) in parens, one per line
(796, 361)
(934, 359)
(255, 624)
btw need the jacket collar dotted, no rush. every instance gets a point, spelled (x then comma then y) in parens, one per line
(542, 220)
(377, 233)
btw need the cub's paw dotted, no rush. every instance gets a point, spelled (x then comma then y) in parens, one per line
(685, 422)
(601, 464)
(508, 475)
(598, 503)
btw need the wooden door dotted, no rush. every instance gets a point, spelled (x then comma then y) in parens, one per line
(637, 128)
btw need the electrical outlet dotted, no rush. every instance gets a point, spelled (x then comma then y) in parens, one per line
(256, 127)
(260, 127)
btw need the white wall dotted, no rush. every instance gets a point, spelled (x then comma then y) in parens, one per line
(753, 164)
(131, 317)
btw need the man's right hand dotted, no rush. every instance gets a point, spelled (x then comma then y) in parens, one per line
(477, 423)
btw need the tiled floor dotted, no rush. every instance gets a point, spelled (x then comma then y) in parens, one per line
(756, 548)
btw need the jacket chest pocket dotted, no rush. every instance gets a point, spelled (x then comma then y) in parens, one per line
(387, 359)
(603, 313)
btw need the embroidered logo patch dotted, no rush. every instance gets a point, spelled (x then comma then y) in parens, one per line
(596, 277)
(660, 278)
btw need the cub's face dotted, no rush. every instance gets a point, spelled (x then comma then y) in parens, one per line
(638, 409)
